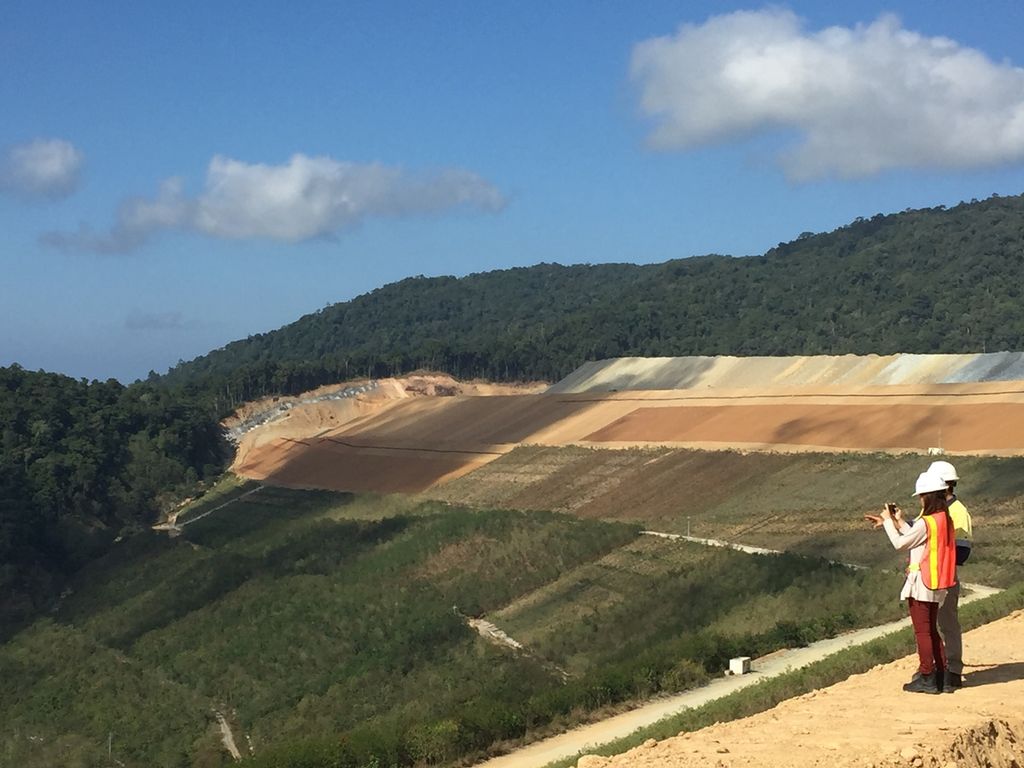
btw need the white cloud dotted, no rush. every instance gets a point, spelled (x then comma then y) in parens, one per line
(42, 168)
(306, 198)
(862, 99)
(137, 220)
(317, 196)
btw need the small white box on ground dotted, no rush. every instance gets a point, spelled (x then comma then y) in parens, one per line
(739, 666)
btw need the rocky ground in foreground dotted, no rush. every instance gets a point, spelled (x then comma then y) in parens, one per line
(868, 721)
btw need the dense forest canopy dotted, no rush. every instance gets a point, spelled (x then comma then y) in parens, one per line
(932, 280)
(82, 463)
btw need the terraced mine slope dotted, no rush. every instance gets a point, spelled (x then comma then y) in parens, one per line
(387, 441)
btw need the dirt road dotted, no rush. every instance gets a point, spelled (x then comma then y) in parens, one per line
(868, 720)
(227, 737)
(589, 736)
(174, 527)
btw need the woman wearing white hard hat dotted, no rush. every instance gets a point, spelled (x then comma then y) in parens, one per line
(930, 572)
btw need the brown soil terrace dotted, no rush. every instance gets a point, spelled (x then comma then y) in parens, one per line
(957, 427)
(399, 438)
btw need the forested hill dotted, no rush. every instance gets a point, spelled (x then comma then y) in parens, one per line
(931, 280)
(81, 464)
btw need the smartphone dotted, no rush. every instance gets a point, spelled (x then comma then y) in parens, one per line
(891, 507)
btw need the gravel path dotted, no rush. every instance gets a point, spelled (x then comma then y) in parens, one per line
(868, 721)
(589, 736)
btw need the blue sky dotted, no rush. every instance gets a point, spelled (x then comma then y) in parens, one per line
(177, 176)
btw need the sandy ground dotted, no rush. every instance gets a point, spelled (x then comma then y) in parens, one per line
(957, 427)
(432, 384)
(227, 737)
(322, 445)
(389, 440)
(868, 720)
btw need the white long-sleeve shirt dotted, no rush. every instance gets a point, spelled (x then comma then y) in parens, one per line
(913, 537)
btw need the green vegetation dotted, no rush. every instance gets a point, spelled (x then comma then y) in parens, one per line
(63, 695)
(285, 615)
(931, 280)
(82, 463)
(820, 674)
(292, 618)
(656, 599)
(808, 503)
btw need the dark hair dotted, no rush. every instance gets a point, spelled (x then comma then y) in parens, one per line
(934, 501)
(935, 504)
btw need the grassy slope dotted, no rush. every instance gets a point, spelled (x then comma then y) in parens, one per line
(309, 612)
(808, 503)
(654, 596)
(63, 694)
(283, 613)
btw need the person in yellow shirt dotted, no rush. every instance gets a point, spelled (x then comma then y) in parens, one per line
(949, 611)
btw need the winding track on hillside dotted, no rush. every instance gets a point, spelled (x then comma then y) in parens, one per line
(867, 721)
(174, 527)
(586, 737)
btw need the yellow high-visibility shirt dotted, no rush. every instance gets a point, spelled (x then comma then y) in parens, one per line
(961, 522)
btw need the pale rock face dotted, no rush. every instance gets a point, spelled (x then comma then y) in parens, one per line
(592, 761)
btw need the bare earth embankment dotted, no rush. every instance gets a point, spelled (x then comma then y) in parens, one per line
(388, 441)
(369, 443)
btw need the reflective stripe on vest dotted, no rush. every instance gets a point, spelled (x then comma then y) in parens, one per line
(938, 566)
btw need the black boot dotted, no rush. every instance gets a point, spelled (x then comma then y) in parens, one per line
(923, 684)
(951, 681)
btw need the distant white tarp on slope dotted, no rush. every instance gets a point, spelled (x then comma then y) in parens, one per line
(632, 373)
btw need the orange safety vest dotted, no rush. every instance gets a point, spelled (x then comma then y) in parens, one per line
(938, 566)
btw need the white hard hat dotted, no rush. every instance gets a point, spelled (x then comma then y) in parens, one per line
(945, 470)
(928, 482)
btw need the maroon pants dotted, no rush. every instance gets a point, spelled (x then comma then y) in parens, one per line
(930, 652)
